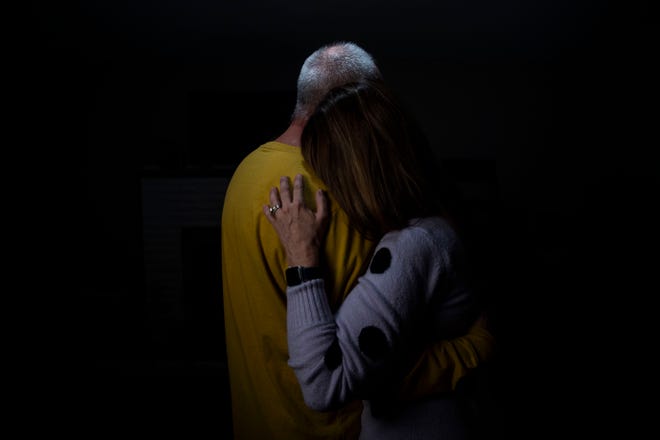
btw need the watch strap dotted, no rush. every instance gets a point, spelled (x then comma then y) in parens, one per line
(299, 274)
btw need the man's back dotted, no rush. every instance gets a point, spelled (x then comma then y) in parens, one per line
(266, 399)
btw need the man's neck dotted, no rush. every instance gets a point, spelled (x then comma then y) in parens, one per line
(292, 134)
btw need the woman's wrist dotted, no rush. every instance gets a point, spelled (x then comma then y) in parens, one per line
(308, 257)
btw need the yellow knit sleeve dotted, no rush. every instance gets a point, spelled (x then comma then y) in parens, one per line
(443, 364)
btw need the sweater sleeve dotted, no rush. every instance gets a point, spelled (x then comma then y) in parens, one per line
(336, 358)
(443, 363)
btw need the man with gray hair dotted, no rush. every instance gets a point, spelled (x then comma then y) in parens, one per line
(267, 402)
(329, 67)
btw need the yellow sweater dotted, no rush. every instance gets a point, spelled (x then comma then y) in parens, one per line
(267, 402)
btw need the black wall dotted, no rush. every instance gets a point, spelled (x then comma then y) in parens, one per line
(535, 108)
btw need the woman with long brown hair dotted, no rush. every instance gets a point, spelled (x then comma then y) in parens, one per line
(376, 167)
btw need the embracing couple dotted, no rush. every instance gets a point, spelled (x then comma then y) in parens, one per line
(348, 306)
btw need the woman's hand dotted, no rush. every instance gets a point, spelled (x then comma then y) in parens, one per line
(301, 231)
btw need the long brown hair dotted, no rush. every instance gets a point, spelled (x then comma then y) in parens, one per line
(374, 160)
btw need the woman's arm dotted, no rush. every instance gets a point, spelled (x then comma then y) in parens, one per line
(338, 358)
(360, 349)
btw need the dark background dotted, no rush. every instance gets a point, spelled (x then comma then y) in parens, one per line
(136, 109)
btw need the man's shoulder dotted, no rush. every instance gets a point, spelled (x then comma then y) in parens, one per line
(259, 171)
(268, 157)
(254, 155)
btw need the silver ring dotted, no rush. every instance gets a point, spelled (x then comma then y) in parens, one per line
(273, 209)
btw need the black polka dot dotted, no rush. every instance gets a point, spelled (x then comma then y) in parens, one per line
(333, 356)
(381, 261)
(373, 343)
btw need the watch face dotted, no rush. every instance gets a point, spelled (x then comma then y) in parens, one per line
(293, 276)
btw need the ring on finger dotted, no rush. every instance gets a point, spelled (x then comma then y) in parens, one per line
(273, 209)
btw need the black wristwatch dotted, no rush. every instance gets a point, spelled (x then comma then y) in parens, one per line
(299, 274)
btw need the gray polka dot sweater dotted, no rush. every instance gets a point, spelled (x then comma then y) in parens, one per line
(413, 292)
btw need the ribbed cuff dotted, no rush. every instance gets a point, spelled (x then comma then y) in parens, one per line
(307, 304)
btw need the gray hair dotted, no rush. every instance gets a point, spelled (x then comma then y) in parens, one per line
(331, 66)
